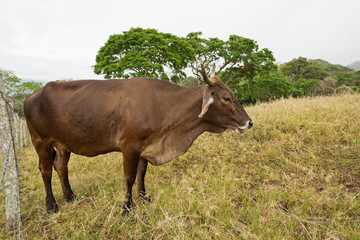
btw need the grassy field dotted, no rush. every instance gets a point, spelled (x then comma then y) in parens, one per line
(294, 175)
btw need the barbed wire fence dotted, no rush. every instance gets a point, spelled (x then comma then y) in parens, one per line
(13, 136)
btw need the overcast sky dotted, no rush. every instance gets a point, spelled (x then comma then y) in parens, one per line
(51, 40)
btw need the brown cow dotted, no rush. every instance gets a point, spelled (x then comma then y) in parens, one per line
(148, 120)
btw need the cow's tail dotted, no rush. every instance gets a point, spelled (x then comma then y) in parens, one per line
(53, 157)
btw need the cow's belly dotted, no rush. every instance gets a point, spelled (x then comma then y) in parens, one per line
(85, 140)
(85, 149)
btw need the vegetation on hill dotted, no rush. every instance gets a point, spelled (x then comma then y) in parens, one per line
(294, 175)
(318, 77)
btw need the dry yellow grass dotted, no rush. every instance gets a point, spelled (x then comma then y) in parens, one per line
(294, 175)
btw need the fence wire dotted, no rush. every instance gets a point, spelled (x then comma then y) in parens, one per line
(8, 107)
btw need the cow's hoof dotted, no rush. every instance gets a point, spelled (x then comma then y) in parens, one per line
(125, 213)
(145, 198)
(52, 210)
(70, 198)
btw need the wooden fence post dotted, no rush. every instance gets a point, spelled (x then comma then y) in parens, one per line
(11, 175)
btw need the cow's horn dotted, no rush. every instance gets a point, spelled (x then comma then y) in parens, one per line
(213, 71)
(208, 80)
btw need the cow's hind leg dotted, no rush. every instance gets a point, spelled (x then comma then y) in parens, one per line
(130, 162)
(61, 159)
(141, 171)
(45, 166)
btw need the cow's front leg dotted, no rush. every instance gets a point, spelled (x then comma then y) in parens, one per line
(130, 162)
(141, 171)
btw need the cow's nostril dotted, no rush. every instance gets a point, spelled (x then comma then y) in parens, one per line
(251, 123)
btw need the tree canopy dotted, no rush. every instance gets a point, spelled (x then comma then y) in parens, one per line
(264, 88)
(143, 53)
(302, 68)
(18, 90)
(149, 53)
(11, 81)
(238, 56)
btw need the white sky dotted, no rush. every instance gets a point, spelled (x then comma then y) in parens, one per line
(51, 39)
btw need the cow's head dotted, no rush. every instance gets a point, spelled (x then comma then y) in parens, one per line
(220, 107)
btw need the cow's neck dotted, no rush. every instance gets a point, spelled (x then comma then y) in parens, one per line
(186, 120)
(181, 130)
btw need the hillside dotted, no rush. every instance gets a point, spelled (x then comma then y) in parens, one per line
(294, 175)
(355, 65)
(326, 65)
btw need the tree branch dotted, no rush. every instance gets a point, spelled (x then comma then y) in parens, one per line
(227, 62)
(232, 75)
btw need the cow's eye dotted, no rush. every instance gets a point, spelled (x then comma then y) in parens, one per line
(227, 99)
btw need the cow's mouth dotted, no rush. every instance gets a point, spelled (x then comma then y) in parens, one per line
(238, 130)
(241, 129)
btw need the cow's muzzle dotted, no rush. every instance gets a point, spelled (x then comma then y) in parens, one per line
(248, 125)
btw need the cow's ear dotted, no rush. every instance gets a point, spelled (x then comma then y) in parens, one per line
(206, 102)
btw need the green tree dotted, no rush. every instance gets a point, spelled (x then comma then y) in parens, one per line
(302, 68)
(11, 81)
(314, 71)
(189, 82)
(18, 90)
(143, 53)
(264, 88)
(293, 70)
(23, 90)
(305, 77)
(348, 78)
(305, 87)
(149, 53)
(238, 56)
